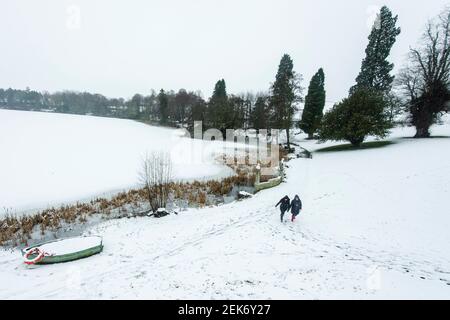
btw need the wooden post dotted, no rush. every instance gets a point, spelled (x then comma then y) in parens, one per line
(258, 174)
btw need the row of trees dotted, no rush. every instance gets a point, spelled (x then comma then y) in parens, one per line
(165, 107)
(64, 102)
(422, 89)
(274, 109)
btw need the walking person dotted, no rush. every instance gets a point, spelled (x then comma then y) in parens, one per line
(296, 207)
(284, 204)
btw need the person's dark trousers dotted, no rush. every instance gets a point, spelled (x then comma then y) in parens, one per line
(282, 215)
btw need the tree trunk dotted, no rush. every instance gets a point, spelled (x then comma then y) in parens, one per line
(310, 136)
(423, 121)
(422, 132)
(356, 142)
(288, 140)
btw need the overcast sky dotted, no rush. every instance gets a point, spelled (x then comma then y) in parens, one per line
(118, 48)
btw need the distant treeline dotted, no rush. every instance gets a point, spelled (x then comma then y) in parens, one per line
(167, 108)
(139, 107)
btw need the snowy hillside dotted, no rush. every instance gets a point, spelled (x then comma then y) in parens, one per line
(375, 225)
(50, 158)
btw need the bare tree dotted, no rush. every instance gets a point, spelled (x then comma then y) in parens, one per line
(394, 107)
(426, 79)
(156, 176)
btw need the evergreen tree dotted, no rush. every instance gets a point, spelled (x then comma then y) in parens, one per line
(375, 69)
(220, 113)
(356, 117)
(314, 104)
(163, 107)
(220, 91)
(284, 95)
(259, 116)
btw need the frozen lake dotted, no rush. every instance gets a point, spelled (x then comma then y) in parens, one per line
(48, 158)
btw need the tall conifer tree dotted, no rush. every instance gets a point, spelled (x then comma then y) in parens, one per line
(314, 104)
(283, 97)
(375, 69)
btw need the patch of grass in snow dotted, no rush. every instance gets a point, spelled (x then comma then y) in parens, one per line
(350, 147)
(430, 137)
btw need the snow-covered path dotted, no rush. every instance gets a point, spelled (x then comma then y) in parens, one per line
(372, 227)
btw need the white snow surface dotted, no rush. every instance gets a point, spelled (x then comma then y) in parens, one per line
(70, 245)
(374, 225)
(48, 159)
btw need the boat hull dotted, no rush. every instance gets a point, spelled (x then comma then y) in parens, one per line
(65, 257)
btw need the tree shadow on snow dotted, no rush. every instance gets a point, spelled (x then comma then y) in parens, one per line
(350, 147)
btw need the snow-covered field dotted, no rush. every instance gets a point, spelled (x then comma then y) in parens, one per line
(375, 225)
(47, 158)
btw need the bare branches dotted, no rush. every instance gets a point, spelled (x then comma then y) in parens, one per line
(409, 82)
(156, 176)
(432, 58)
(426, 79)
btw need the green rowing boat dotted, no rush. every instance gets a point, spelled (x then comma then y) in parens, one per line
(63, 250)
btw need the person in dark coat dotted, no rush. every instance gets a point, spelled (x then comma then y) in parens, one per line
(296, 207)
(284, 204)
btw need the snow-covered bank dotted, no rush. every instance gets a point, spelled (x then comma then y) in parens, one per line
(47, 158)
(374, 225)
